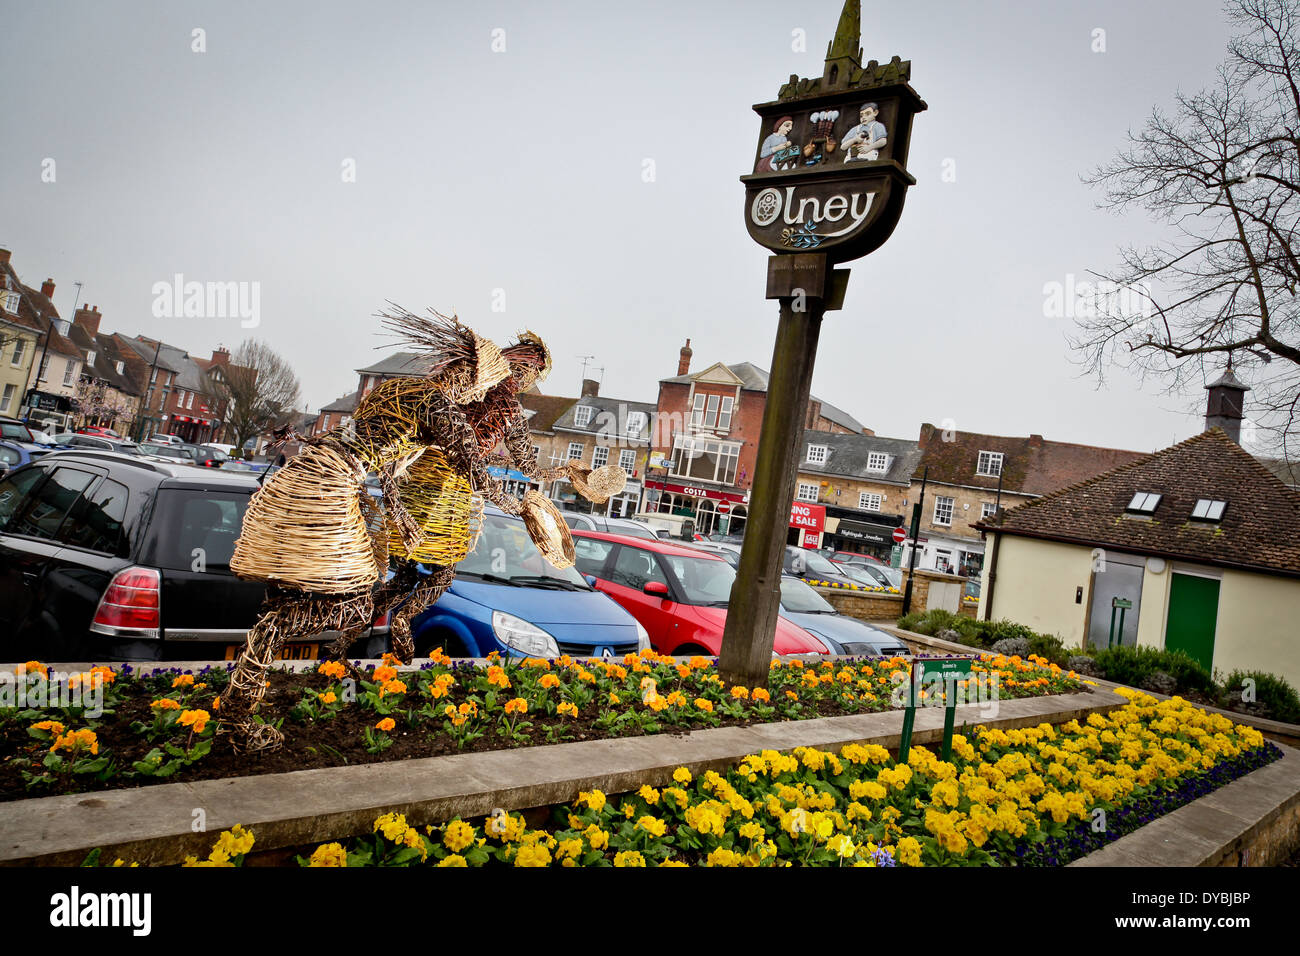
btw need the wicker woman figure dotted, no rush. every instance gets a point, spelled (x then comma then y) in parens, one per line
(306, 532)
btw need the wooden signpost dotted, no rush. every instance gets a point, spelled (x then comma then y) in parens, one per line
(950, 670)
(827, 186)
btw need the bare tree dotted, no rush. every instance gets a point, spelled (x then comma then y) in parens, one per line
(259, 387)
(1222, 172)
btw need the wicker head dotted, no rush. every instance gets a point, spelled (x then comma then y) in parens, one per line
(304, 528)
(530, 360)
(547, 529)
(444, 506)
(596, 486)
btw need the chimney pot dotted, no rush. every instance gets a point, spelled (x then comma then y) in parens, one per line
(684, 359)
(590, 388)
(47, 288)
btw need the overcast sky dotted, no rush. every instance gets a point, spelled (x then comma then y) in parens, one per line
(518, 179)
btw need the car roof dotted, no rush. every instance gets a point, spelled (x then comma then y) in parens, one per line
(657, 545)
(172, 475)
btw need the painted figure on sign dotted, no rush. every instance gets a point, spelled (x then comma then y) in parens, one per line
(865, 140)
(777, 151)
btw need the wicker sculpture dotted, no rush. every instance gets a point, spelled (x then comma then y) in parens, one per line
(307, 534)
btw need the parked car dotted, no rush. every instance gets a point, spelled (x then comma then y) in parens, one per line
(678, 593)
(872, 575)
(208, 456)
(98, 430)
(173, 452)
(725, 550)
(508, 598)
(852, 557)
(12, 455)
(586, 522)
(807, 564)
(664, 525)
(843, 634)
(15, 431)
(112, 557)
(100, 442)
(165, 439)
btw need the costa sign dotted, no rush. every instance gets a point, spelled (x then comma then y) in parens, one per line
(830, 165)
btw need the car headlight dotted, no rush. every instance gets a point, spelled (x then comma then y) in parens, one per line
(642, 637)
(822, 640)
(519, 635)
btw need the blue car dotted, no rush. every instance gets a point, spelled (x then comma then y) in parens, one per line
(508, 598)
(13, 455)
(841, 633)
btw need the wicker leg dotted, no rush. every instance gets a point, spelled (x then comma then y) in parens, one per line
(248, 684)
(422, 597)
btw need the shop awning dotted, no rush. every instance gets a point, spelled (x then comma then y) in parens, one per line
(861, 531)
(507, 474)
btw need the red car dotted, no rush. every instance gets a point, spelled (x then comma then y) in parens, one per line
(99, 430)
(677, 592)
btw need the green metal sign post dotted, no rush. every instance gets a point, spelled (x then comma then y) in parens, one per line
(950, 670)
(1117, 604)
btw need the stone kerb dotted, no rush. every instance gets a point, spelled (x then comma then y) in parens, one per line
(307, 807)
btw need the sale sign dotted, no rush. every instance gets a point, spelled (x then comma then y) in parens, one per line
(809, 517)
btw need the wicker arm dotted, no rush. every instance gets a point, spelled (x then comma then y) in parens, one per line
(443, 423)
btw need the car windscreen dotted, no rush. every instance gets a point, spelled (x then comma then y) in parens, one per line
(15, 430)
(506, 554)
(195, 529)
(703, 580)
(633, 528)
(819, 566)
(214, 453)
(799, 598)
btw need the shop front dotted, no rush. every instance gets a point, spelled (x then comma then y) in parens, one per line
(41, 407)
(702, 505)
(189, 429)
(860, 533)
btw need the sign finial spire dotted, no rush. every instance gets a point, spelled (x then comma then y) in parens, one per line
(846, 49)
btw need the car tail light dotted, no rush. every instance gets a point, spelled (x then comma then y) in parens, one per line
(382, 620)
(131, 604)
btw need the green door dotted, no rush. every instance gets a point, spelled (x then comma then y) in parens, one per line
(1193, 609)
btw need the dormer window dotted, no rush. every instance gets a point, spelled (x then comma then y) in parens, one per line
(877, 461)
(90, 359)
(1144, 503)
(121, 368)
(816, 454)
(1208, 509)
(989, 464)
(582, 416)
(635, 422)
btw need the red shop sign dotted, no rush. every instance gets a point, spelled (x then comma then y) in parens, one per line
(808, 517)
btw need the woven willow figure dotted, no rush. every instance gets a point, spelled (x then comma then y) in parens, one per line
(308, 533)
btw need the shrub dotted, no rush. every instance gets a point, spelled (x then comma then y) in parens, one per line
(1051, 647)
(1131, 665)
(1277, 696)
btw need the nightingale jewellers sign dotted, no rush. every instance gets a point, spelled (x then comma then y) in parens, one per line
(830, 164)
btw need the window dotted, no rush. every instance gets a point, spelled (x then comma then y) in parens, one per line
(575, 449)
(69, 373)
(590, 555)
(987, 509)
(724, 414)
(877, 461)
(20, 347)
(153, 377)
(537, 452)
(1208, 509)
(943, 510)
(635, 423)
(582, 416)
(1144, 503)
(807, 492)
(990, 463)
(45, 367)
(11, 302)
(90, 359)
(697, 411)
(48, 507)
(8, 397)
(600, 456)
(95, 522)
(634, 567)
(869, 502)
(14, 491)
(121, 368)
(627, 459)
(189, 400)
(711, 412)
(705, 459)
(816, 454)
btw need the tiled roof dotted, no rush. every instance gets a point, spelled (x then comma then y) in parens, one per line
(1030, 466)
(348, 403)
(603, 410)
(398, 364)
(545, 408)
(104, 367)
(1260, 528)
(847, 456)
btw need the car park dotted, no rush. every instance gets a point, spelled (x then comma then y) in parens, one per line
(98, 430)
(872, 575)
(12, 455)
(677, 592)
(853, 557)
(164, 439)
(666, 525)
(507, 598)
(811, 566)
(77, 441)
(842, 633)
(173, 452)
(112, 557)
(593, 522)
(14, 431)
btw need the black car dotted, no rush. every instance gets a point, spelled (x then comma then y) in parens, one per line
(106, 556)
(812, 567)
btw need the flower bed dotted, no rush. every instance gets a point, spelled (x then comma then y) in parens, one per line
(1033, 796)
(162, 727)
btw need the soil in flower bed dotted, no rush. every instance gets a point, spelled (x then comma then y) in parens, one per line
(614, 700)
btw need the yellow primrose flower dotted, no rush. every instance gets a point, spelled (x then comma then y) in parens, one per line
(329, 854)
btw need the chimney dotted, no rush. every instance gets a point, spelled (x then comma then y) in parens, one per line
(4, 256)
(220, 355)
(1035, 441)
(1223, 410)
(590, 388)
(684, 362)
(88, 319)
(47, 289)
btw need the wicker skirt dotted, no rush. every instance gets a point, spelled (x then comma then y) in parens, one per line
(304, 527)
(444, 506)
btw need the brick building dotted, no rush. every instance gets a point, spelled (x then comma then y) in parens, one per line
(39, 362)
(705, 441)
(602, 431)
